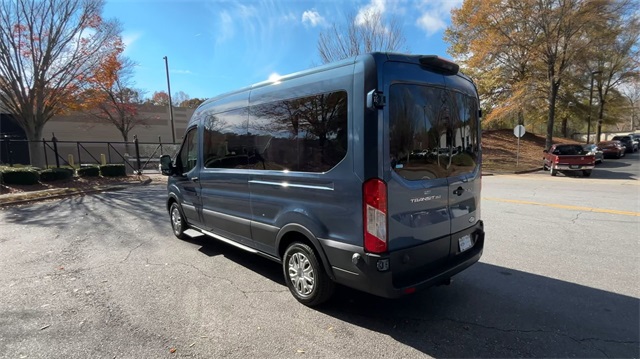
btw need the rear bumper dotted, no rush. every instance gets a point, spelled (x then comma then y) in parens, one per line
(562, 167)
(404, 271)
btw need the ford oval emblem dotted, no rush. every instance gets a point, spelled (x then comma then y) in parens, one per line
(472, 219)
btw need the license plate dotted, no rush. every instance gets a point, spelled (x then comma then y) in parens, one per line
(465, 242)
(574, 166)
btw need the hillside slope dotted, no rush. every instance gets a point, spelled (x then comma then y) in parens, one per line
(499, 149)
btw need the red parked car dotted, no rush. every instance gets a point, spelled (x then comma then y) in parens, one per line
(568, 158)
(612, 148)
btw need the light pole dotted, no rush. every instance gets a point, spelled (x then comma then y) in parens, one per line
(590, 102)
(173, 130)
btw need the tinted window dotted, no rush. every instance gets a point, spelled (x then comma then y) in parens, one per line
(433, 133)
(225, 140)
(307, 134)
(569, 150)
(188, 157)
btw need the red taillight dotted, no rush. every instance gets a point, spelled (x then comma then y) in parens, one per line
(556, 159)
(375, 215)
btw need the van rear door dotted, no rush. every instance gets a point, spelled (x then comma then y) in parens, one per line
(416, 124)
(433, 149)
(464, 167)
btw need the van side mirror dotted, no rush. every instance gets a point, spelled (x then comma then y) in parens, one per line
(166, 165)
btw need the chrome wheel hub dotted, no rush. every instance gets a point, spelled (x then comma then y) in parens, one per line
(176, 220)
(301, 274)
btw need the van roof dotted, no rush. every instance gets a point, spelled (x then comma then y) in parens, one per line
(377, 57)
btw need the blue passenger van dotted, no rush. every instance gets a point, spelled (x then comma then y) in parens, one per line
(365, 172)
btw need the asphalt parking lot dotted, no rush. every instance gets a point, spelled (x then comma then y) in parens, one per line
(101, 276)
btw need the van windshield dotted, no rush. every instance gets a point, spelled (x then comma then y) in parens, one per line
(433, 132)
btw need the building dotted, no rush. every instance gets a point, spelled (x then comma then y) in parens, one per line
(81, 135)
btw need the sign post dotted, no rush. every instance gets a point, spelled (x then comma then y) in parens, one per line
(519, 131)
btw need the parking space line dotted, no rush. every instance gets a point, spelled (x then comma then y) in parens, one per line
(564, 206)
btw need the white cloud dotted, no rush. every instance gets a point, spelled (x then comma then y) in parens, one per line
(225, 28)
(313, 18)
(434, 14)
(431, 23)
(182, 72)
(375, 6)
(128, 39)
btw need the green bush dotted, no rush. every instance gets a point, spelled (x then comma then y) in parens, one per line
(112, 170)
(24, 176)
(93, 171)
(56, 174)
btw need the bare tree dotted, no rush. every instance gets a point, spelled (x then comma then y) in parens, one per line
(632, 95)
(48, 49)
(179, 98)
(368, 32)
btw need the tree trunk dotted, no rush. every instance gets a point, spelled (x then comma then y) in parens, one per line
(520, 118)
(564, 127)
(553, 93)
(36, 150)
(599, 126)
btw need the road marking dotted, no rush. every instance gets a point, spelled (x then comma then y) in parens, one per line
(564, 206)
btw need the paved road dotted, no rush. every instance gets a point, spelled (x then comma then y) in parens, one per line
(103, 277)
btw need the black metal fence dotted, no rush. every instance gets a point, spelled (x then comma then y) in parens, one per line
(136, 156)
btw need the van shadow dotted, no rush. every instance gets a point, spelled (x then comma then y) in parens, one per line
(489, 311)
(260, 265)
(492, 311)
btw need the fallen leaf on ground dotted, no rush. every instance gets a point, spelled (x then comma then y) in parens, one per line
(172, 350)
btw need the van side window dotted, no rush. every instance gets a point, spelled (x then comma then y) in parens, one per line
(189, 151)
(307, 134)
(225, 140)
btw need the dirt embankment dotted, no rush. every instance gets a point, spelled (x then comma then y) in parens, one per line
(499, 148)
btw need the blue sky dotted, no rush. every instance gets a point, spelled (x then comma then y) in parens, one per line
(217, 46)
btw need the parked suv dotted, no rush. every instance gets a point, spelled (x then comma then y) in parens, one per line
(320, 171)
(628, 142)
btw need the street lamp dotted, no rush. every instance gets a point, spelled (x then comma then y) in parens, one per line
(173, 130)
(590, 102)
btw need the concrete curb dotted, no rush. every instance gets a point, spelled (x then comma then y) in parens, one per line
(531, 170)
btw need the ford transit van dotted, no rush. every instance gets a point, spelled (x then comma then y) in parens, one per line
(331, 172)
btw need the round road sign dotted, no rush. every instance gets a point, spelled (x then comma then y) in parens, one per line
(519, 131)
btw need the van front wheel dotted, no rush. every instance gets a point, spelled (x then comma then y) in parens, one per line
(304, 275)
(178, 224)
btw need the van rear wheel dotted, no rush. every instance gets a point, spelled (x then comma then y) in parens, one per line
(178, 223)
(304, 275)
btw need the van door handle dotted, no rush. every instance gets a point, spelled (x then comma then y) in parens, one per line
(458, 192)
(194, 179)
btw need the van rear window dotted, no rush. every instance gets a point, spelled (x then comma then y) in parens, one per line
(433, 132)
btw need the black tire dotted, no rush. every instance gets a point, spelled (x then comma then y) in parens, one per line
(304, 275)
(178, 223)
(586, 173)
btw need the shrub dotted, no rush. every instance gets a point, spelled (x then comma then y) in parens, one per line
(112, 170)
(24, 176)
(93, 171)
(56, 174)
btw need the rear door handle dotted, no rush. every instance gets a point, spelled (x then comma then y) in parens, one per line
(194, 179)
(458, 191)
